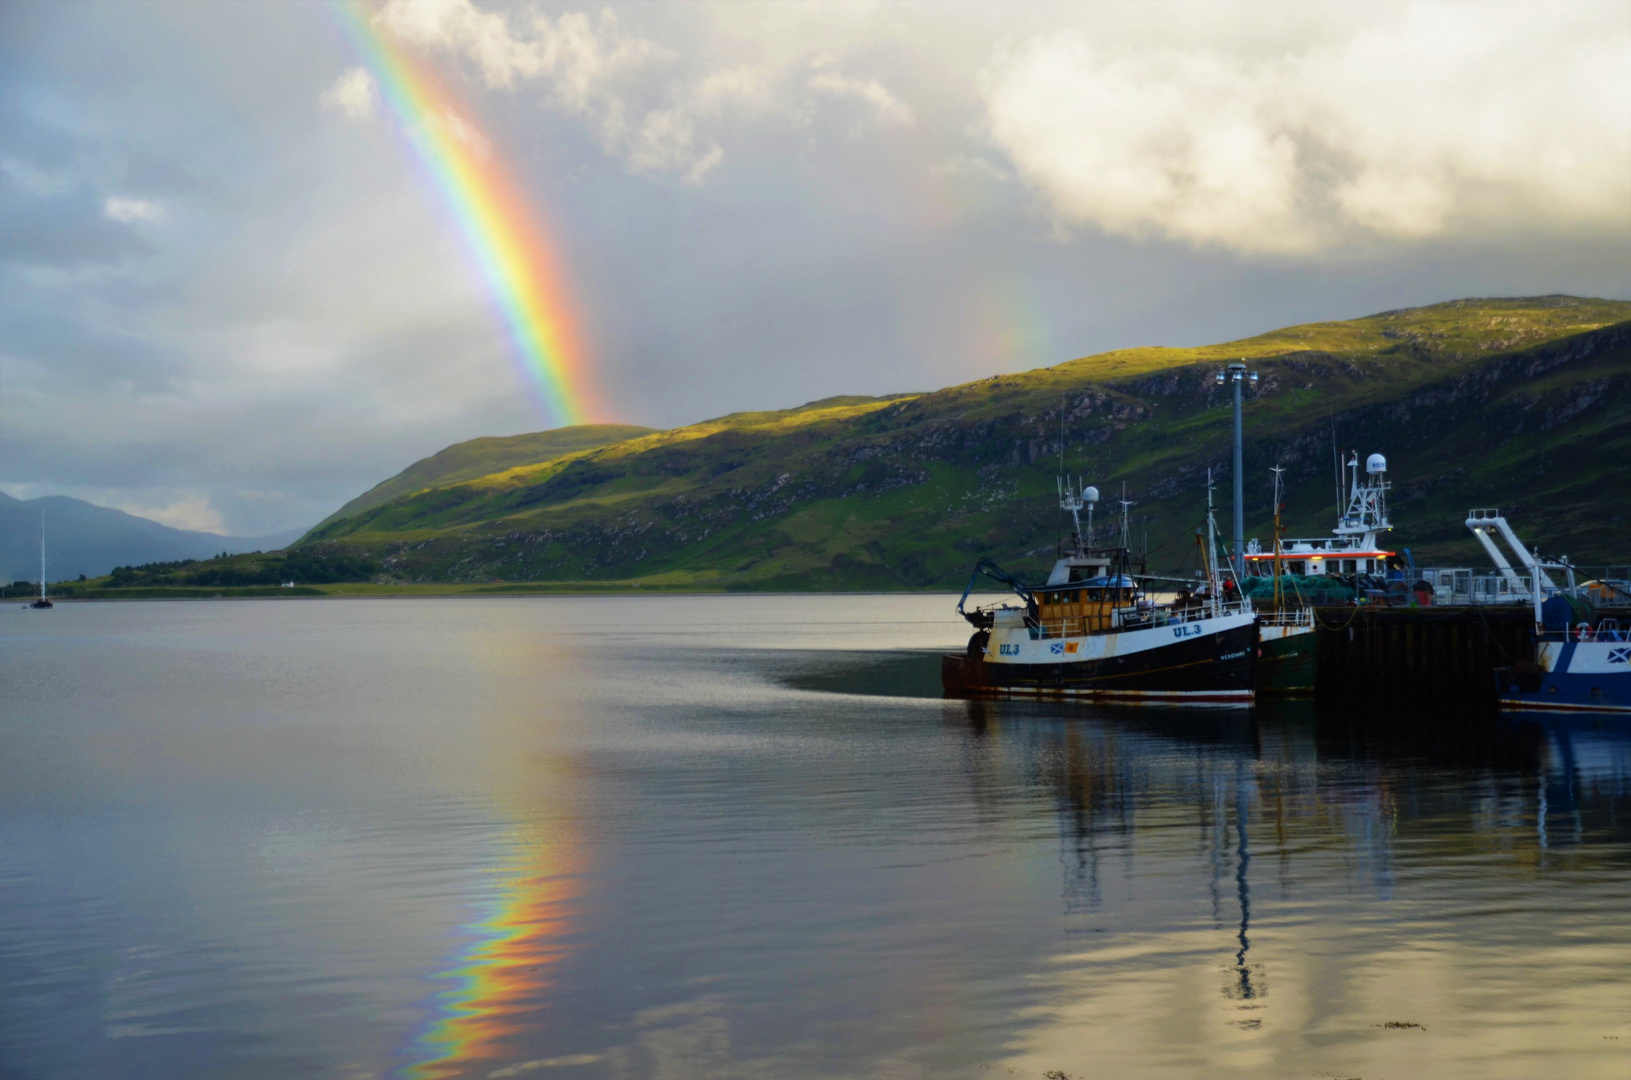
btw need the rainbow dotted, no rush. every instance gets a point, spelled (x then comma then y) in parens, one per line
(494, 990)
(505, 238)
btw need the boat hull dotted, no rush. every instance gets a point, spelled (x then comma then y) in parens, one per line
(1585, 676)
(1206, 669)
(1286, 660)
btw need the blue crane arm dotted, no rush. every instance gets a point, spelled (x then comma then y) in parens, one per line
(995, 573)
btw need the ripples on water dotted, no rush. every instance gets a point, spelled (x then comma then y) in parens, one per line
(742, 837)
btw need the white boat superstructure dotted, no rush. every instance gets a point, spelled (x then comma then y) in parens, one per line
(1353, 546)
(1517, 570)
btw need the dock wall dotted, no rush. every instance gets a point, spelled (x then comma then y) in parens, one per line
(1417, 660)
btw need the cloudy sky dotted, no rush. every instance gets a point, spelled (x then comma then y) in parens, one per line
(231, 298)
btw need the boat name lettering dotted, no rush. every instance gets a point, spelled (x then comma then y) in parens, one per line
(1008, 650)
(1188, 630)
(1232, 656)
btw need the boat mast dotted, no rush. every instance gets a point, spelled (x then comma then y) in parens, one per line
(1213, 580)
(1073, 496)
(1278, 531)
(42, 554)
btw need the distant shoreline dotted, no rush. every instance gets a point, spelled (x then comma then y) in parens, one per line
(411, 592)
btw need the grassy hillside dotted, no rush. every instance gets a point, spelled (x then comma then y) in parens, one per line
(480, 457)
(1517, 403)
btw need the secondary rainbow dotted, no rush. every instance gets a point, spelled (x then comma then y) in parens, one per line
(506, 240)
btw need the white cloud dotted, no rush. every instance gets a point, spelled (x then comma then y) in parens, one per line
(119, 208)
(460, 26)
(354, 95)
(583, 58)
(185, 510)
(1410, 123)
(704, 165)
(888, 108)
(628, 89)
(457, 128)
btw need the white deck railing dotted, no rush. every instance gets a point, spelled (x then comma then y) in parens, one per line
(1295, 617)
(1133, 618)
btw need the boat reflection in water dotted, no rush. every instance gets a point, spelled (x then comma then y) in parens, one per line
(500, 979)
(1223, 856)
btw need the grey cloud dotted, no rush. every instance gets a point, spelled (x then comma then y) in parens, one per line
(70, 353)
(307, 319)
(67, 231)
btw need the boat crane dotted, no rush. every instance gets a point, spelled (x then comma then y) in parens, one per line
(1484, 523)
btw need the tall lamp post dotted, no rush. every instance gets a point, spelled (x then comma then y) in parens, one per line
(1237, 374)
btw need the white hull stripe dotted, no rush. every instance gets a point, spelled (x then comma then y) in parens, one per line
(1525, 705)
(1186, 697)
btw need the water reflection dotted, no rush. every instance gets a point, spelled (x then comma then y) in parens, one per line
(1243, 861)
(498, 983)
(692, 837)
(1385, 838)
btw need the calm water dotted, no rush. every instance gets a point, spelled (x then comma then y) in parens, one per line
(741, 837)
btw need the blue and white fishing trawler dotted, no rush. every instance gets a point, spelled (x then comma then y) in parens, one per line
(1582, 657)
(1093, 631)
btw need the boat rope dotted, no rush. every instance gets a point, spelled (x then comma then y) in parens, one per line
(1321, 622)
(1492, 636)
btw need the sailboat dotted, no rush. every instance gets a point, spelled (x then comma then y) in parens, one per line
(42, 602)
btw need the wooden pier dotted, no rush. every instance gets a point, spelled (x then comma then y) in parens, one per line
(1437, 660)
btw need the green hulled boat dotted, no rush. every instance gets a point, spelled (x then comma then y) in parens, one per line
(1286, 652)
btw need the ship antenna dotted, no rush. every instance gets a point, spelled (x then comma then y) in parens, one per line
(1125, 505)
(1336, 463)
(1068, 501)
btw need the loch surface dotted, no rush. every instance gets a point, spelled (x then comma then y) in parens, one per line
(742, 836)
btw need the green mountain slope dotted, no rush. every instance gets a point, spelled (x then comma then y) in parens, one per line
(1520, 403)
(480, 457)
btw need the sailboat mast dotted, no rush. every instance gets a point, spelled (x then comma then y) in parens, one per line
(42, 555)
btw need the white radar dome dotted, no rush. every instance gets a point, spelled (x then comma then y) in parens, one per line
(1090, 494)
(1376, 463)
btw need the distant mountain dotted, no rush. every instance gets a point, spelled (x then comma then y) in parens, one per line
(83, 538)
(483, 457)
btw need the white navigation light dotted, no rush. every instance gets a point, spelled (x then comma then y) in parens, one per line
(1090, 494)
(1376, 463)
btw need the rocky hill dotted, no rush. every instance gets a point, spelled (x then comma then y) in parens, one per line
(1518, 403)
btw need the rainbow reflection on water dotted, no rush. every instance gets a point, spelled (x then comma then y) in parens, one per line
(499, 978)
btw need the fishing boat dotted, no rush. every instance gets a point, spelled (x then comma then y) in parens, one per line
(1286, 642)
(1353, 546)
(1094, 631)
(1582, 656)
(43, 601)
